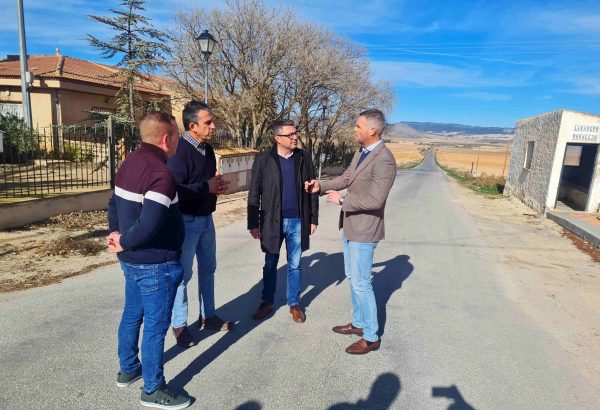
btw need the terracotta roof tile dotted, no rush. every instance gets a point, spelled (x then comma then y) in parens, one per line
(47, 66)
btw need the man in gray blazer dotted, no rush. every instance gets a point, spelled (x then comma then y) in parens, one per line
(368, 181)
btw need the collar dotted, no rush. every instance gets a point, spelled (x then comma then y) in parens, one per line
(199, 146)
(154, 150)
(276, 154)
(288, 157)
(371, 147)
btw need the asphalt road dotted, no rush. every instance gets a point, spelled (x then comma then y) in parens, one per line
(451, 339)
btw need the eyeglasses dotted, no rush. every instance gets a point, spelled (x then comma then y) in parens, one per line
(291, 135)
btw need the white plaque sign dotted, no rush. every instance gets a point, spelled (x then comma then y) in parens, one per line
(585, 133)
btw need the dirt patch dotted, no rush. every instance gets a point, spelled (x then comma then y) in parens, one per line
(554, 282)
(73, 244)
(583, 245)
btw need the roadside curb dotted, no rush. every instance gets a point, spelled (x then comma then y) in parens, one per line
(580, 228)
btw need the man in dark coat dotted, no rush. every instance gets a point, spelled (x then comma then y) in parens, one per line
(280, 209)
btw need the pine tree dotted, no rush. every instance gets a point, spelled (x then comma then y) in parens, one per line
(140, 47)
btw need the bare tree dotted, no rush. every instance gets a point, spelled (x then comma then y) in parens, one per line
(269, 65)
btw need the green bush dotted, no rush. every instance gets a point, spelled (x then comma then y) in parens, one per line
(20, 143)
(75, 153)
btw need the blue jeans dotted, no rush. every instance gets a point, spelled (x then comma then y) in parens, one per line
(149, 293)
(200, 242)
(358, 260)
(291, 231)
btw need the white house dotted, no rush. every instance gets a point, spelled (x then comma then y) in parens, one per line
(555, 161)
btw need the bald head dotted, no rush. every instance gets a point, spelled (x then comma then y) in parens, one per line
(154, 125)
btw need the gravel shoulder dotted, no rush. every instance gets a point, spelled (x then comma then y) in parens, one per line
(73, 244)
(551, 275)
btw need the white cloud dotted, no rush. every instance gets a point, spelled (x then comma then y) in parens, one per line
(566, 21)
(585, 85)
(438, 75)
(483, 96)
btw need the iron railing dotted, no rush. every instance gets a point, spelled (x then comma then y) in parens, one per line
(61, 159)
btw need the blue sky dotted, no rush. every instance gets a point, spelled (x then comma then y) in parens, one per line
(471, 62)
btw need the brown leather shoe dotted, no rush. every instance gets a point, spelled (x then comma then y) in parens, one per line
(348, 330)
(361, 347)
(297, 314)
(215, 323)
(263, 310)
(183, 337)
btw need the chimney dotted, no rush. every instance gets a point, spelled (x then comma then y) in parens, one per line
(59, 65)
(57, 51)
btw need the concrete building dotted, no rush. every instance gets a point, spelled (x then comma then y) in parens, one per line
(66, 89)
(555, 162)
(236, 166)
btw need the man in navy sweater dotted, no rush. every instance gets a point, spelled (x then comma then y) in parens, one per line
(195, 169)
(280, 209)
(146, 233)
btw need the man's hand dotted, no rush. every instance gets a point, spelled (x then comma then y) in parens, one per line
(312, 186)
(313, 229)
(334, 197)
(113, 241)
(255, 232)
(217, 185)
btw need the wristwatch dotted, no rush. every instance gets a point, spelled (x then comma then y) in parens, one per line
(342, 200)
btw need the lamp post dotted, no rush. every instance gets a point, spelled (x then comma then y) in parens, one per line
(207, 44)
(324, 102)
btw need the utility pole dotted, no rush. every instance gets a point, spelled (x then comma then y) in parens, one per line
(26, 102)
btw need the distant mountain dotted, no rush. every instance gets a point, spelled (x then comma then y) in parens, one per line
(441, 128)
(401, 131)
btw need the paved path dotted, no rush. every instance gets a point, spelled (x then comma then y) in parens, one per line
(451, 337)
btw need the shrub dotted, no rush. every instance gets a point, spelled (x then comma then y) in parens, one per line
(74, 153)
(20, 143)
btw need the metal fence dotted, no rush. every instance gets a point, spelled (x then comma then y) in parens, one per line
(60, 159)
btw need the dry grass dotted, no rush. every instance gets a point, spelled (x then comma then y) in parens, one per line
(483, 160)
(407, 154)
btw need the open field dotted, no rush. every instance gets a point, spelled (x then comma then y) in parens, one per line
(483, 160)
(407, 154)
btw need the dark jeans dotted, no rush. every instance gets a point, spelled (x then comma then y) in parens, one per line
(149, 294)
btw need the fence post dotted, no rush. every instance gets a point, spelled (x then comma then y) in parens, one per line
(110, 129)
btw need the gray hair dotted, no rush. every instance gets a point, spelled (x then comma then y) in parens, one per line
(375, 119)
(278, 125)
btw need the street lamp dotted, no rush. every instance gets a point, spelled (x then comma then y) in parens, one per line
(207, 45)
(324, 102)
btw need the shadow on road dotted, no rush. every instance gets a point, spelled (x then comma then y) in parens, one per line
(384, 391)
(386, 282)
(320, 270)
(249, 405)
(452, 393)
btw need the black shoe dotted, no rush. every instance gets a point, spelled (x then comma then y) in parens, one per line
(183, 337)
(263, 310)
(163, 398)
(125, 379)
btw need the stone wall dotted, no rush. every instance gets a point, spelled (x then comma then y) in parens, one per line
(531, 185)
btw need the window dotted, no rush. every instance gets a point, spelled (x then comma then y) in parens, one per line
(104, 110)
(11, 108)
(573, 155)
(529, 155)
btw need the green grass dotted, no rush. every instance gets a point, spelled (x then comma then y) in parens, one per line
(484, 184)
